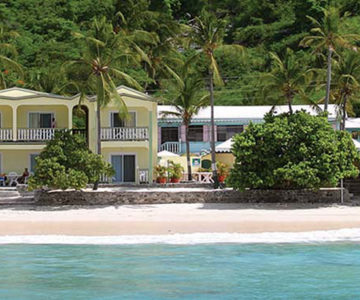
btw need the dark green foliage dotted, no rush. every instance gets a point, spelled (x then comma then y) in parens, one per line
(46, 38)
(292, 152)
(66, 162)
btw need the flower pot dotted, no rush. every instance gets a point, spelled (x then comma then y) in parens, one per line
(222, 178)
(161, 180)
(175, 180)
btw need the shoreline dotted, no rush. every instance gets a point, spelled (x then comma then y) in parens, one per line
(165, 219)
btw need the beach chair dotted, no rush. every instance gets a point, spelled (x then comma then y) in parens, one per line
(13, 176)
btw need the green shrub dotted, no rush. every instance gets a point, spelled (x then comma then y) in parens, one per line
(292, 152)
(66, 162)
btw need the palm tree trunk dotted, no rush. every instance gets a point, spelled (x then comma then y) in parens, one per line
(290, 107)
(212, 140)
(98, 134)
(188, 152)
(342, 127)
(328, 79)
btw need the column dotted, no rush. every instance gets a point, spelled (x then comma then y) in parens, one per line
(150, 146)
(14, 123)
(70, 116)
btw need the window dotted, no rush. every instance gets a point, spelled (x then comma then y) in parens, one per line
(40, 120)
(33, 162)
(226, 132)
(124, 166)
(196, 133)
(169, 134)
(117, 121)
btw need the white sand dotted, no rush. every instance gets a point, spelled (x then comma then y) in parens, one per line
(175, 218)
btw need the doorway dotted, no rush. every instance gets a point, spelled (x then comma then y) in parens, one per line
(124, 166)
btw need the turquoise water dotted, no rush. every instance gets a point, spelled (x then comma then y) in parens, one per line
(218, 271)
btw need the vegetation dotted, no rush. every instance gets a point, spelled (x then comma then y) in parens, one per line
(66, 162)
(175, 171)
(185, 93)
(292, 151)
(160, 173)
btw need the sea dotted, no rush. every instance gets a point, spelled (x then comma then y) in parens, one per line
(316, 265)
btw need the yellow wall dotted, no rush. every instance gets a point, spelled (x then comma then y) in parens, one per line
(16, 156)
(6, 116)
(61, 114)
(15, 160)
(226, 158)
(178, 160)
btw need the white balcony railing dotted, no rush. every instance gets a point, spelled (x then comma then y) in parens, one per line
(6, 134)
(36, 134)
(174, 147)
(125, 134)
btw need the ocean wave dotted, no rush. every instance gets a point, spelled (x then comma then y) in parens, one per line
(342, 235)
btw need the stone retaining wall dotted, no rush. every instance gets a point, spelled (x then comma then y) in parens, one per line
(156, 196)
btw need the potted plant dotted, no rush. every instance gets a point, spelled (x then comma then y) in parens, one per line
(160, 172)
(222, 171)
(175, 172)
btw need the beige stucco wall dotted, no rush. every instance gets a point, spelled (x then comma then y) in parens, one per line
(15, 160)
(6, 116)
(60, 114)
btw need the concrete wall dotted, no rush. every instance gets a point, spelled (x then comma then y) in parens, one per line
(201, 195)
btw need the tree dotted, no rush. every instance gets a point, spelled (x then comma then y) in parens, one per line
(287, 79)
(7, 49)
(326, 35)
(186, 95)
(103, 59)
(292, 151)
(66, 162)
(208, 34)
(346, 83)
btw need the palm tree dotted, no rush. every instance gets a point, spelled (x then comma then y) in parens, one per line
(208, 32)
(287, 79)
(186, 94)
(346, 83)
(105, 54)
(7, 49)
(326, 35)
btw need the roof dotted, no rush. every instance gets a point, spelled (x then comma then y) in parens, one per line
(224, 147)
(16, 93)
(357, 144)
(166, 153)
(237, 113)
(352, 123)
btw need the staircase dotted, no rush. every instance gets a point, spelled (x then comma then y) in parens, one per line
(11, 196)
(353, 185)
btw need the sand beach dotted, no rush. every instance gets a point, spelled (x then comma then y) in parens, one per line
(161, 219)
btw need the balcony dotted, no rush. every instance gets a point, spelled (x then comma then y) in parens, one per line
(6, 134)
(125, 134)
(36, 134)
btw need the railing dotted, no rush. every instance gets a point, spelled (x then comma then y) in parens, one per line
(125, 134)
(174, 147)
(144, 176)
(36, 134)
(6, 134)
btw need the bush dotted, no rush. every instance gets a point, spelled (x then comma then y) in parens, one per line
(292, 152)
(66, 162)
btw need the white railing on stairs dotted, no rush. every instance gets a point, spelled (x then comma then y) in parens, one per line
(174, 147)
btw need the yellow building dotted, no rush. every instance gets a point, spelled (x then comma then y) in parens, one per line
(28, 119)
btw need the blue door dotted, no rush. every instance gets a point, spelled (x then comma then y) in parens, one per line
(117, 164)
(124, 166)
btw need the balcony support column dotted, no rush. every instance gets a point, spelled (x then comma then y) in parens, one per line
(14, 123)
(70, 117)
